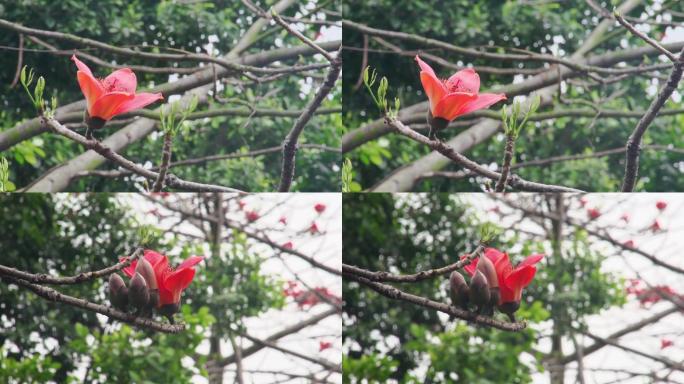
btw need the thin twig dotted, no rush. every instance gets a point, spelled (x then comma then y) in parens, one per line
(458, 158)
(645, 38)
(20, 61)
(42, 278)
(633, 147)
(506, 167)
(166, 160)
(415, 277)
(108, 153)
(290, 141)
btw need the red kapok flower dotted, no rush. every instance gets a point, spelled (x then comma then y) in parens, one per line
(283, 220)
(319, 208)
(457, 95)
(175, 281)
(171, 283)
(114, 95)
(625, 217)
(661, 205)
(313, 229)
(593, 213)
(583, 201)
(288, 245)
(511, 280)
(664, 343)
(242, 203)
(323, 345)
(629, 243)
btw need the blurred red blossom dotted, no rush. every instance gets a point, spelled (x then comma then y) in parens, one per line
(310, 297)
(655, 227)
(629, 243)
(313, 229)
(252, 216)
(650, 295)
(242, 204)
(288, 245)
(283, 220)
(625, 217)
(661, 205)
(583, 201)
(593, 213)
(319, 208)
(664, 343)
(323, 345)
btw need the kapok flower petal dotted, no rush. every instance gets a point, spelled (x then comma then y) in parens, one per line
(493, 254)
(450, 106)
(139, 101)
(177, 281)
(81, 66)
(465, 80)
(190, 262)
(531, 260)
(520, 277)
(434, 89)
(425, 67)
(121, 80)
(107, 106)
(91, 88)
(153, 257)
(483, 100)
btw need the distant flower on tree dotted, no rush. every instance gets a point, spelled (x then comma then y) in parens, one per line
(625, 217)
(252, 216)
(319, 208)
(313, 229)
(288, 245)
(593, 213)
(661, 205)
(283, 220)
(664, 343)
(323, 345)
(656, 227)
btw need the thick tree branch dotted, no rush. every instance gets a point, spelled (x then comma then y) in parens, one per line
(56, 296)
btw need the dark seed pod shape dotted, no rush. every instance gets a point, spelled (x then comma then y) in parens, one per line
(169, 310)
(138, 295)
(479, 290)
(510, 308)
(486, 266)
(118, 293)
(144, 268)
(458, 290)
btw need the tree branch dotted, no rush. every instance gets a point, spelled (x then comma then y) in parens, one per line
(290, 141)
(396, 294)
(633, 146)
(56, 296)
(412, 278)
(43, 278)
